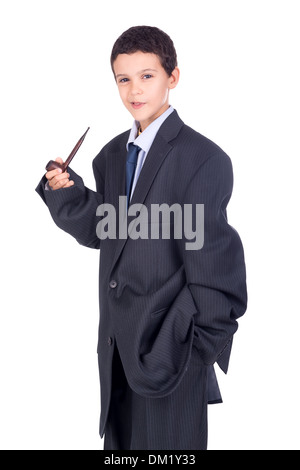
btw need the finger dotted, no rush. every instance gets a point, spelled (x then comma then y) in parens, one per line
(60, 177)
(69, 184)
(59, 180)
(58, 183)
(51, 174)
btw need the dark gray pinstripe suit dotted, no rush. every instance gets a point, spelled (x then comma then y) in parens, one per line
(171, 312)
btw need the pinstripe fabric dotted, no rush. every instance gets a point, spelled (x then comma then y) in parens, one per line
(175, 300)
(176, 422)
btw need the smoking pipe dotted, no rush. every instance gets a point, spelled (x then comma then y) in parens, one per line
(52, 165)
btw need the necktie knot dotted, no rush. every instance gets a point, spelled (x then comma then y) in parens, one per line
(133, 152)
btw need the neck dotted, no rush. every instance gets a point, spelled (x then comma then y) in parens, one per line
(147, 122)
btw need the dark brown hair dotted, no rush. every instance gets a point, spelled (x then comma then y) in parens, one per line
(146, 39)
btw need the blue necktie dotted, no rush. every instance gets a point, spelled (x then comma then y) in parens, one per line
(131, 162)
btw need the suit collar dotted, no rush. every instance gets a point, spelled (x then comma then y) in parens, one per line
(146, 138)
(171, 127)
(159, 150)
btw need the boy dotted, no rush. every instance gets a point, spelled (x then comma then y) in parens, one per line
(168, 310)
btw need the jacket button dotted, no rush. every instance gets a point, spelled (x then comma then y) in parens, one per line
(110, 341)
(113, 284)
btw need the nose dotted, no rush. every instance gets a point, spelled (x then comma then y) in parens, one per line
(135, 89)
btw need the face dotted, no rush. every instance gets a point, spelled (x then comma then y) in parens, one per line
(144, 85)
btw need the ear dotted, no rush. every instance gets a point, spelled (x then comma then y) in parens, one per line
(174, 78)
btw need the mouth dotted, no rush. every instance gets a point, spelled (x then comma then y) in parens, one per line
(137, 105)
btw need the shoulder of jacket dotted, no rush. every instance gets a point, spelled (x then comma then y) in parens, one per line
(199, 149)
(198, 140)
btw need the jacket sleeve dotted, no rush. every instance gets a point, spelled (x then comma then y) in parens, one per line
(74, 209)
(215, 274)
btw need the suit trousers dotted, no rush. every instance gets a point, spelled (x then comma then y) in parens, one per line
(175, 422)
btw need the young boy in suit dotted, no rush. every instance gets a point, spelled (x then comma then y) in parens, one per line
(168, 307)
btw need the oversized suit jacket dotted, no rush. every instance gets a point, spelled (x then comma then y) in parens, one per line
(157, 299)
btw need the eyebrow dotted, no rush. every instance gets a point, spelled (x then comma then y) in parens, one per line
(138, 73)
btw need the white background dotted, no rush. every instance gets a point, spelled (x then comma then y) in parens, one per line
(239, 86)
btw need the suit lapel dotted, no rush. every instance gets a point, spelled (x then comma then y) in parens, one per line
(157, 154)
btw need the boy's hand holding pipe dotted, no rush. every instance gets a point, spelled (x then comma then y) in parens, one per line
(58, 179)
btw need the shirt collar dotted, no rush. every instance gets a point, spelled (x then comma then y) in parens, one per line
(146, 138)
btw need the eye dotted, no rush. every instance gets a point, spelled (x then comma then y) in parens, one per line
(147, 76)
(123, 80)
